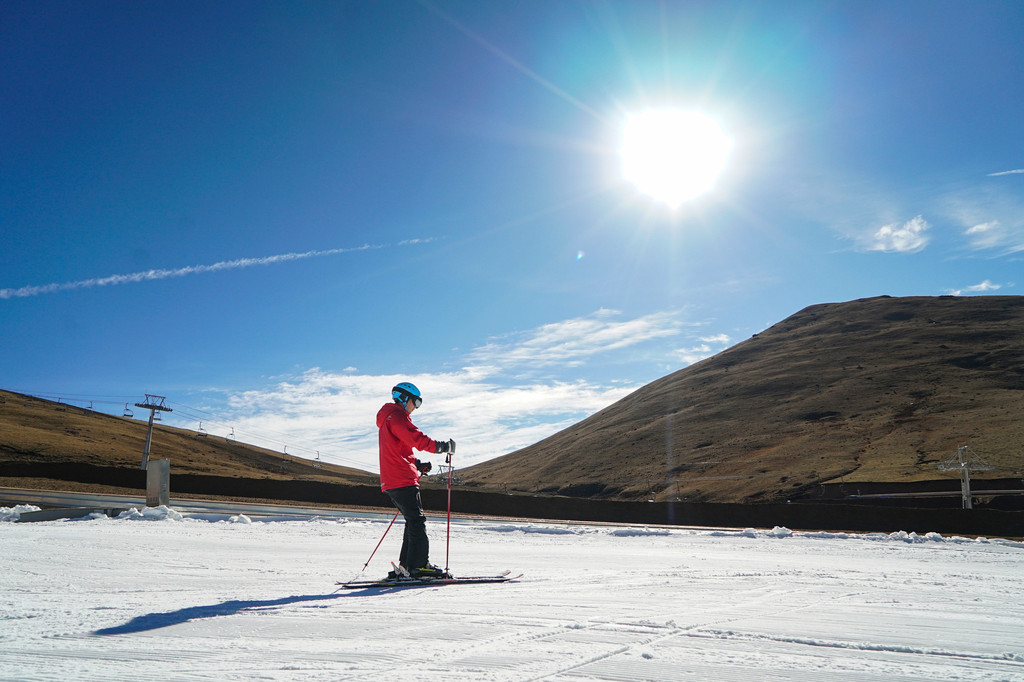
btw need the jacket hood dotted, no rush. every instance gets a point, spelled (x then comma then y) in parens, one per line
(386, 411)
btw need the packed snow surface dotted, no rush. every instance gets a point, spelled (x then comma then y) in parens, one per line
(156, 594)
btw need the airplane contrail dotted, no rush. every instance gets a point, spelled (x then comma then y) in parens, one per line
(148, 275)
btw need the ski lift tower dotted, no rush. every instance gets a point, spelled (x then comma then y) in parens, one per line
(153, 403)
(446, 470)
(965, 461)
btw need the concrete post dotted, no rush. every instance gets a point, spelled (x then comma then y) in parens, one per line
(158, 482)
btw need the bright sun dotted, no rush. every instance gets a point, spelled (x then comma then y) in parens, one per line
(672, 155)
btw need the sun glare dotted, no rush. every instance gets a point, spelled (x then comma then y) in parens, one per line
(673, 156)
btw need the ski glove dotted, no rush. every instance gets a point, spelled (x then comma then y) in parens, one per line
(442, 446)
(423, 467)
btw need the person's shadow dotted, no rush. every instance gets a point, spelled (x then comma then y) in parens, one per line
(155, 621)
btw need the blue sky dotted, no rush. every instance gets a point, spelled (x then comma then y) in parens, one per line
(271, 212)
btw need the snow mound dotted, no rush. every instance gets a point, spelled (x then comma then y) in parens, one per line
(14, 513)
(639, 532)
(161, 513)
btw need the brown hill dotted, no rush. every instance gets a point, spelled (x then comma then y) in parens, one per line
(875, 390)
(880, 389)
(36, 432)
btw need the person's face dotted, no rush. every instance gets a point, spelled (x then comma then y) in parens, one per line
(410, 405)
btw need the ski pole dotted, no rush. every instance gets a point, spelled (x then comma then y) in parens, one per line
(393, 519)
(448, 538)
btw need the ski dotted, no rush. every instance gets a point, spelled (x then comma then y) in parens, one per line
(424, 582)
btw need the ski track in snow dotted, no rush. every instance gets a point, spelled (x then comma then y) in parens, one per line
(157, 595)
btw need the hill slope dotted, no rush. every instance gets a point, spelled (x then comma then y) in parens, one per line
(35, 431)
(879, 389)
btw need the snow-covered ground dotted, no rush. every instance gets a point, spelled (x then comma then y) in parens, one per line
(152, 595)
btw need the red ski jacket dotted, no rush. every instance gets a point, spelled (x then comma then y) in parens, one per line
(398, 436)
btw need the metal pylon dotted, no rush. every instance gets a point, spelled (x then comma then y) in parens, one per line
(965, 461)
(153, 403)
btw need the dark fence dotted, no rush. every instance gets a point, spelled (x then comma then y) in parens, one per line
(797, 516)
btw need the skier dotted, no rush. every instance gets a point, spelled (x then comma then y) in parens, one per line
(400, 474)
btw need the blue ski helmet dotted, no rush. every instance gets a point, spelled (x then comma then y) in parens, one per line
(405, 391)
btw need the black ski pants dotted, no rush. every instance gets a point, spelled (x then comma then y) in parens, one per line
(415, 546)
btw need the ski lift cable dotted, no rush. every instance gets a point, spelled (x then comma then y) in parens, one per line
(187, 411)
(76, 397)
(269, 435)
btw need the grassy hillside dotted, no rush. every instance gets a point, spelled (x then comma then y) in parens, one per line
(880, 389)
(874, 390)
(40, 431)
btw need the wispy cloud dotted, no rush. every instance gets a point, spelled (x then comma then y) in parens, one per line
(985, 235)
(908, 237)
(1016, 171)
(708, 346)
(492, 405)
(991, 219)
(980, 288)
(334, 413)
(150, 275)
(571, 342)
(994, 235)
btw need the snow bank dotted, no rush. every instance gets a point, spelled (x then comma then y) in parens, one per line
(165, 513)
(14, 513)
(161, 513)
